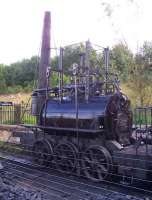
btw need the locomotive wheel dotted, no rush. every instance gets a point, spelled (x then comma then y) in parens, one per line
(66, 157)
(97, 163)
(42, 152)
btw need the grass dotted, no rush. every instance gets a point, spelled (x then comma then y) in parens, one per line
(29, 119)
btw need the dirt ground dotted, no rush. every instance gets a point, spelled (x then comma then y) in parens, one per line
(16, 98)
(6, 133)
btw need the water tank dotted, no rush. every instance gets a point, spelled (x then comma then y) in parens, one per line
(34, 106)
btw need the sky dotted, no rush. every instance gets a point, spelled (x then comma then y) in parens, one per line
(104, 22)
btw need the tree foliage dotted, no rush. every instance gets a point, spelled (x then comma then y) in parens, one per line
(140, 76)
(21, 73)
(121, 60)
(2, 78)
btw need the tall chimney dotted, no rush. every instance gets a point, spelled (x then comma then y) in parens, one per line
(45, 51)
(39, 98)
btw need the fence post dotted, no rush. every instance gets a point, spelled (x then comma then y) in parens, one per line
(17, 113)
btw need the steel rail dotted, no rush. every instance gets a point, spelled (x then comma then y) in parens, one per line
(105, 181)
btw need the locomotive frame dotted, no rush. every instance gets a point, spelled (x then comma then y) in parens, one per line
(82, 122)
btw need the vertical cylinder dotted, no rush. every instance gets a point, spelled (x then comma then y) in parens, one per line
(61, 74)
(106, 60)
(87, 69)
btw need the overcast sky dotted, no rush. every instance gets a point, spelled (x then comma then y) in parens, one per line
(72, 21)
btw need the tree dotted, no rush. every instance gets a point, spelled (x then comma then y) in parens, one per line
(141, 76)
(72, 55)
(121, 60)
(2, 79)
(21, 73)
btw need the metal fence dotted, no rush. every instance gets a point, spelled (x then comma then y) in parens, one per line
(143, 117)
(16, 114)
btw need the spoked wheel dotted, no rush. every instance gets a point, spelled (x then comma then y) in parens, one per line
(97, 163)
(66, 157)
(42, 152)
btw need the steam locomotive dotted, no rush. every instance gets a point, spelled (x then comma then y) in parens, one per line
(89, 115)
(85, 127)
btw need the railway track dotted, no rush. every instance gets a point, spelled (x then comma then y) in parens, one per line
(51, 185)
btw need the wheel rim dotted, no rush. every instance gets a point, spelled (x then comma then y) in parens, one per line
(42, 152)
(66, 157)
(97, 163)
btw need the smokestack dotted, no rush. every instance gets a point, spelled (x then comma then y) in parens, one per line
(38, 98)
(45, 51)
